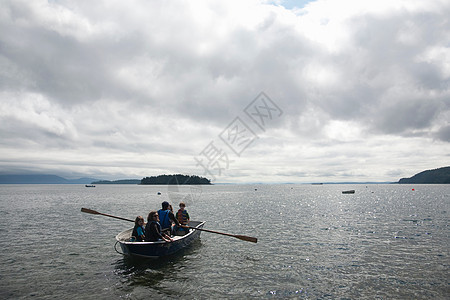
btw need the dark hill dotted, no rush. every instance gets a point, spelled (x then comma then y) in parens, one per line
(436, 176)
(41, 179)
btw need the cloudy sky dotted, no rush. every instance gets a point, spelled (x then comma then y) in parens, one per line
(351, 90)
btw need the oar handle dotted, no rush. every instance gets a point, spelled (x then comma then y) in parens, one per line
(91, 211)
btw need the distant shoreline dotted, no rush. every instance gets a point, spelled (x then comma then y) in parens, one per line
(435, 176)
(120, 181)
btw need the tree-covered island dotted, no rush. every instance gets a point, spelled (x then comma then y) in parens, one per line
(177, 179)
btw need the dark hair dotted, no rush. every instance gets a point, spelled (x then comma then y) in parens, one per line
(182, 204)
(151, 215)
(165, 205)
(138, 218)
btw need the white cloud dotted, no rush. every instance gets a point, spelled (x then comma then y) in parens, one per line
(136, 88)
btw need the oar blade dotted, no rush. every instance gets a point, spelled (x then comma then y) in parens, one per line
(89, 211)
(247, 238)
(241, 237)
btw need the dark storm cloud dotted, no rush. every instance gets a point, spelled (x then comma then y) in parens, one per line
(444, 133)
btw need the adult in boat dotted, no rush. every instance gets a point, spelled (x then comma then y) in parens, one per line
(166, 218)
(153, 231)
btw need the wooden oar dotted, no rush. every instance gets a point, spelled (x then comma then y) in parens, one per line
(241, 237)
(91, 211)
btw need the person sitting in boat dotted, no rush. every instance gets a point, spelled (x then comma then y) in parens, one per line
(138, 230)
(183, 219)
(166, 218)
(153, 231)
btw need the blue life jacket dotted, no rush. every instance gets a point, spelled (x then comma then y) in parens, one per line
(164, 219)
(135, 233)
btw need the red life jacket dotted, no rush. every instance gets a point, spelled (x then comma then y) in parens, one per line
(182, 216)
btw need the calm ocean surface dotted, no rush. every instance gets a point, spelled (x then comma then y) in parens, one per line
(383, 242)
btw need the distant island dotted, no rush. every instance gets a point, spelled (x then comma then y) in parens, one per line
(41, 179)
(121, 181)
(177, 179)
(436, 176)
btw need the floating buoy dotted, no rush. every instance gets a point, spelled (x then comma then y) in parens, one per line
(159, 193)
(413, 189)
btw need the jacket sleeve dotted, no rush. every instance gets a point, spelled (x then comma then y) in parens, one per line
(157, 232)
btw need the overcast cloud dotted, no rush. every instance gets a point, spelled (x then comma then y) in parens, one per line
(128, 89)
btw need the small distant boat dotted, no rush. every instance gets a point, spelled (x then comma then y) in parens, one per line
(89, 185)
(348, 192)
(159, 248)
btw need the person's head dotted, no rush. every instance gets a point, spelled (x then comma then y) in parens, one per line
(139, 221)
(153, 216)
(182, 205)
(165, 205)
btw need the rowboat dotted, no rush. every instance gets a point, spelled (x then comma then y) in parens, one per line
(159, 248)
(348, 192)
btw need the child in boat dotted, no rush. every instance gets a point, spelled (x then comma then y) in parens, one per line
(183, 219)
(153, 231)
(138, 230)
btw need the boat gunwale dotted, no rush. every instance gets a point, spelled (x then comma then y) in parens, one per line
(177, 237)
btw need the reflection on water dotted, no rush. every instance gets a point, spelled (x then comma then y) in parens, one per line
(134, 272)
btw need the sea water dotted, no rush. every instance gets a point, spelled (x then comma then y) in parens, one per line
(383, 242)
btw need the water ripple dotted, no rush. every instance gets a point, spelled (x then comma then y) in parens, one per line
(313, 242)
